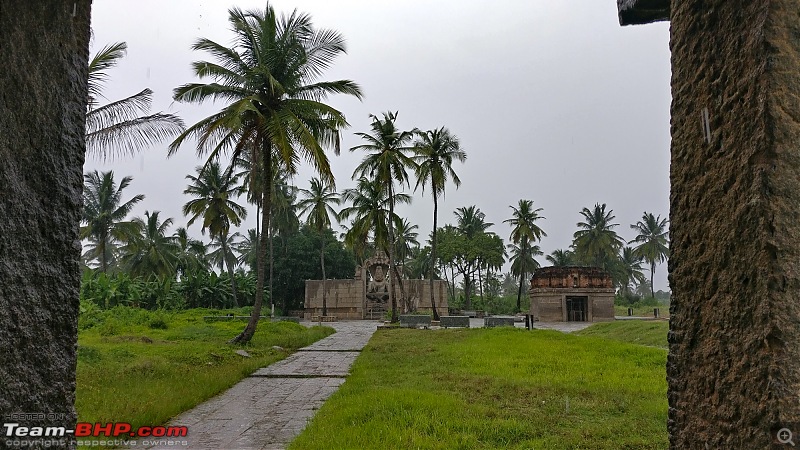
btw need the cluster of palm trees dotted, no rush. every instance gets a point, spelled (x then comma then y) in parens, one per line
(273, 116)
(596, 243)
(472, 251)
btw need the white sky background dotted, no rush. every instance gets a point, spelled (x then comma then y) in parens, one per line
(552, 100)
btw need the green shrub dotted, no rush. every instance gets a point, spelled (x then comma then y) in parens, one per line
(110, 327)
(158, 323)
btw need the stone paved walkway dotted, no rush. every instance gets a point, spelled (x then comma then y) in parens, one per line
(272, 406)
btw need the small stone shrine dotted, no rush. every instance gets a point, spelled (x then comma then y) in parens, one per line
(572, 294)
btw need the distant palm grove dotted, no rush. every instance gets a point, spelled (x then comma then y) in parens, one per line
(273, 114)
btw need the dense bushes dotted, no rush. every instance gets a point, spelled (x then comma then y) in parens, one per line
(195, 290)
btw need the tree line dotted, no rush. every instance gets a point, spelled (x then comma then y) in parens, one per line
(273, 115)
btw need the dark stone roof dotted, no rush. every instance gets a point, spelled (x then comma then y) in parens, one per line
(636, 12)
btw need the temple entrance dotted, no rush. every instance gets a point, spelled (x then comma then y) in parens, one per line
(577, 309)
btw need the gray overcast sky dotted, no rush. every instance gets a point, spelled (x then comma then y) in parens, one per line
(552, 100)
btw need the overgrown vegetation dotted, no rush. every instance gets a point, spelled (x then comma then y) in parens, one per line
(145, 367)
(496, 388)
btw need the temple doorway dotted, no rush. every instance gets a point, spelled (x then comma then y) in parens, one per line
(577, 309)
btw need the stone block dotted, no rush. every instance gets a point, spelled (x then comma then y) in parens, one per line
(490, 322)
(454, 322)
(415, 321)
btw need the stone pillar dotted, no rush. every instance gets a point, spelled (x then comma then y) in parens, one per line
(734, 361)
(43, 94)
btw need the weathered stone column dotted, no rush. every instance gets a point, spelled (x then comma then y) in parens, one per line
(734, 359)
(43, 94)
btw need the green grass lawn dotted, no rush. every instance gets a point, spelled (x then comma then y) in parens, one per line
(144, 367)
(652, 333)
(496, 388)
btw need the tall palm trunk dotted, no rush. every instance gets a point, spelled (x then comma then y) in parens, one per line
(266, 202)
(258, 227)
(452, 283)
(272, 270)
(480, 281)
(467, 286)
(433, 256)
(403, 297)
(322, 264)
(103, 256)
(392, 297)
(522, 251)
(652, 272)
(223, 239)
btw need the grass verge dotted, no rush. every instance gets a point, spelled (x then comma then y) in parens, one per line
(145, 367)
(496, 388)
(652, 333)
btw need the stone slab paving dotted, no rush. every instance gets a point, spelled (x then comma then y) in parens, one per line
(350, 336)
(311, 363)
(564, 327)
(268, 409)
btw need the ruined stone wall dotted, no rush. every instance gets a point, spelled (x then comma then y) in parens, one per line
(547, 307)
(44, 49)
(419, 291)
(345, 298)
(734, 361)
(602, 307)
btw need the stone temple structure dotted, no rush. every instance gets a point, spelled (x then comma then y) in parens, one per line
(571, 294)
(366, 296)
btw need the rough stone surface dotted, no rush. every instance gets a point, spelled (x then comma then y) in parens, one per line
(44, 47)
(734, 363)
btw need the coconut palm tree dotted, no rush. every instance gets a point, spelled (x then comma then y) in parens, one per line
(471, 221)
(471, 224)
(596, 243)
(222, 254)
(561, 258)
(388, 160)
(523, 261)
(435, 152)
(406, 238)
(104, 215)
(653, 242)
(148, 250)
(524, 232)
(274, 104)
(123, 126)
(214, 190)
(317, 205)
(247, 249)
(192, 253)
(628, 270)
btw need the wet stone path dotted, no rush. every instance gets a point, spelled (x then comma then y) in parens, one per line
(272, 406)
